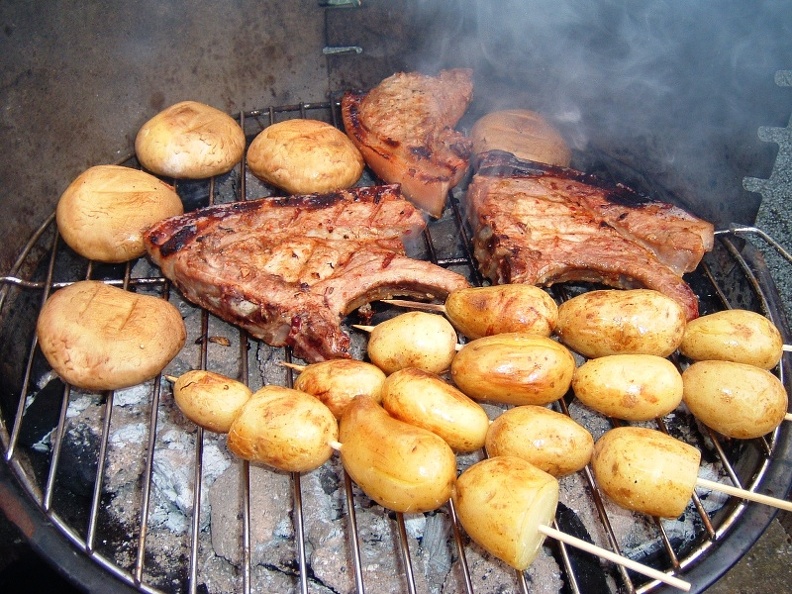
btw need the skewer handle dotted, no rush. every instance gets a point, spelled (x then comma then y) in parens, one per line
(745, 494)
(615, 558)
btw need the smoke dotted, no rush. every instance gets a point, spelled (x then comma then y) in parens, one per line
(677, 88)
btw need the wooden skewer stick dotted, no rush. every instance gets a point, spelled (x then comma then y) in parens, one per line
(436, 307)
(294, 366)
(614, 557)
(745, 494)
(370, 328)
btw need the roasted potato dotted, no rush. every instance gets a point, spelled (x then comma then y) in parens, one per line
(426, 400)
(501, 502)
(735, 399)
(513, 368)
(337, 382)
(104, 212)
(612, 322)
(190, 140)
(645, 470)
(210, 399)
(285, 429)
(99, 337)
(549, 440)
(735, 335)
(484, 311)
(413, 339)
(402, 467)
(629, 387)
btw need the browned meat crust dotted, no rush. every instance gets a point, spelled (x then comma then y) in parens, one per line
(404, 128)
(288, 269)
(544, 229)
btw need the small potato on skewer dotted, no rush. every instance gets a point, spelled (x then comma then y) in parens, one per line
(611, 322)
(426, 400)
(209, 399)
(737, 400)
(549, 440)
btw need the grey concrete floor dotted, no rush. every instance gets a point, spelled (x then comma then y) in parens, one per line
(78, 79)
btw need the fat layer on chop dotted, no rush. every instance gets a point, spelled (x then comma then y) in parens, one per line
(544, 229)
(288, 270)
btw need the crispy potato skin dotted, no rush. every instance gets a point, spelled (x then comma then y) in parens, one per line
(402, 467)
(413, 339)
(104, 212)
(426, 400)
(336, 382)
(484, 311)
(209, 399)
(611, 322)
(285, 429)
(513, 368)
(305, 156)
(736, 335)
(549, 440)
(629, 387)
(100, 337)
(645, 470)
(735, 399)
(500, 503)
(190, 140)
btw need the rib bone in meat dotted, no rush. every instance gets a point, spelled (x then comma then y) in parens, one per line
(288, 270)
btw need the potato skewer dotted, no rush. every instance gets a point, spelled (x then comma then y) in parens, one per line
(506, 504)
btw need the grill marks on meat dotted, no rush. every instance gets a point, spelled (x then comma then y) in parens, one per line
(541, 229)
(404, 128)
(288, 270)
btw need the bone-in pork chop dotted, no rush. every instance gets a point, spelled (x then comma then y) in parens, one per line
(288, 270)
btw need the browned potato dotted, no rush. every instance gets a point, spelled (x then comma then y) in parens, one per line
(629, 387)
(104, 212)
(501, 502)
(549, 440)
(100, 337)
(304, 156)
(210, 399)
(413, 339)
(513, 368)
(735, 335)
(337, 382)
(484, 311)
(645, 470)
(190, 140)
(425, 400)
(735, 399)
(402, 467)
(284, 428)
(611, 322)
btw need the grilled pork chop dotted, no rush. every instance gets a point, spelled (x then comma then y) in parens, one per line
(288, 270)
(541, 229)
(404, 128)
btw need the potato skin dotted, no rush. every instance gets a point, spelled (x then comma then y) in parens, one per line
(413, 339)
(484, 311)
(737, 335)
(513, 368)
(209, 399)
(500, 503)
(425, 400)
(738, 400)
(104, 212)
(611, 322)
(336, 382)
(305, 156)
(190, 140)
(549, 440)
(645, 470)
(629, 387)
(402, 467)
(285, 429)
(99, 337)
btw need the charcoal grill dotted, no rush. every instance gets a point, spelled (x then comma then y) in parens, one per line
(116, 549)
